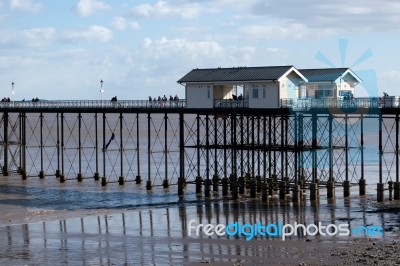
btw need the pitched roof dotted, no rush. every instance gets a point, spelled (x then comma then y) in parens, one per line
(235, 74)
(326, 74)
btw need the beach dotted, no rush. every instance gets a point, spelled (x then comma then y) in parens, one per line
(48, 223)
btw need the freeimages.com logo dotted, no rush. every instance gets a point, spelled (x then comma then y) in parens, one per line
(280, 230)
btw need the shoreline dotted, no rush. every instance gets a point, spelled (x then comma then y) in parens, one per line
(36, 230)
(166, 241)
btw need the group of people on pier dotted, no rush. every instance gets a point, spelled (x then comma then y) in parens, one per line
(6, 100)
(164, 98)
(162, 101)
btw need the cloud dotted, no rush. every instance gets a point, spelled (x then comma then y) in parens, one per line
(163, 9)
(275, 31)
(283, 31)
(41, 37)
(26, 5)
(160, 61)
(121, 23)
(221, 5)
(314, 15)
(356, 15)
(94, 33)
(29, 37)
(182, 54)
(86, 8)
(393, 75)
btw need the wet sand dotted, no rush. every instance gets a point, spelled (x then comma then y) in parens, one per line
(35, 231)
(142, 238)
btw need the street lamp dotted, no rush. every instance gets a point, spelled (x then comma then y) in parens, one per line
(101, 90)
(12, 90)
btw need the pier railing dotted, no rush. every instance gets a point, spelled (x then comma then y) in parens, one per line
(374, 102)
(299, 104)
(230, 103)
(94, 104)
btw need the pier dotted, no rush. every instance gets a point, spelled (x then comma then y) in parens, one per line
(231, 150)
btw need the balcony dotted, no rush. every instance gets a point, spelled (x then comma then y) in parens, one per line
(229, 103)
(309, 103)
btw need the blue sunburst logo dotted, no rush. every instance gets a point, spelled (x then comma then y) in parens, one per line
(368, 76)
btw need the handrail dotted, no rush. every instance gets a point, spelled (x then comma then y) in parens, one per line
(373, 102)
(300, 104)
(230, 103)
(65, 104)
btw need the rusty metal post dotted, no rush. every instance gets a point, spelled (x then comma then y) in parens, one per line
(149, 184)
(80, 176)
(225, 180)
(96, 174)
(121, 178)
(166, 181)
(207, 182)
(233, 179)
(104, 179)
(314, 195)
(331, 182)
(58, 172)
(20, 169)
(41, 173)
(380, 185)
(258, 177)
(397, 182)
(62, 176)
(346, 183)
(138, 178)
(362, 182)
(215, 178)
(296, 187)
(199, 179)
(6, 144)
(181, 180)
(24, 172)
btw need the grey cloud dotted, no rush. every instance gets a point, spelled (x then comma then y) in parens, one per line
(358, 15)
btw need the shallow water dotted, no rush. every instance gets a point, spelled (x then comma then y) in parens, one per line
(47, 222)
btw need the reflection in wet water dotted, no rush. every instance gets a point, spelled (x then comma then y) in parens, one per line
(160, 235)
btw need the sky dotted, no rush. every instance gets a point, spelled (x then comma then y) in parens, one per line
(61, 50)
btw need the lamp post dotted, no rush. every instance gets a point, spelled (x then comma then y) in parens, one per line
(101, 90)
(12, 90)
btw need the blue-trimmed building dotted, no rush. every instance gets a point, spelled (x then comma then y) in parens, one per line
(264, 87)
(328, 83)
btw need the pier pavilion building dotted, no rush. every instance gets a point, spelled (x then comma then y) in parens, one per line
(264, 87)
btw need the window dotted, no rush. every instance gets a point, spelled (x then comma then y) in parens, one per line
(255, 91)
(208, 93)
(324, 91)
(264, 91)
(303, 91)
